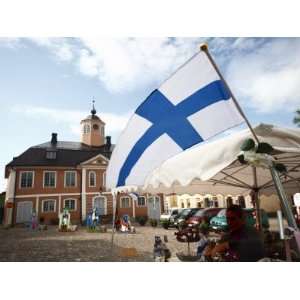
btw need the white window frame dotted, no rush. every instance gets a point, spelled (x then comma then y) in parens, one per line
(20, 180)
(86, 128)
(144, 199)
(55, 179)
(105, 202)
(90, 172)
(68, 199)
(129, 202)
(65, 179)
(52, 211)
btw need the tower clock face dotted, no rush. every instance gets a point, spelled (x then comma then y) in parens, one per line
(95, 126)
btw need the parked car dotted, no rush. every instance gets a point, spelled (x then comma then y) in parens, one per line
(203, 215)
(186, 213)
(173, 212)
(167, 218)
(219, 222)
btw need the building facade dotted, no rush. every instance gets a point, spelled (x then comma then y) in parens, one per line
(55, 175)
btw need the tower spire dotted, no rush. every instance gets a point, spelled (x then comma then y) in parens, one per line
(93, 111)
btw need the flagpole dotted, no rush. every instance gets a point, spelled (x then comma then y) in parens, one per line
(204, 48)
(113, 219)
(274, 173)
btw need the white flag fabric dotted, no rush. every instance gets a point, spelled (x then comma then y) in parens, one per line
(188, 108)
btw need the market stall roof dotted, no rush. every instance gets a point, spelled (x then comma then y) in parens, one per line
(213, 167)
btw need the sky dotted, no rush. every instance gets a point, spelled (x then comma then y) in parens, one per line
(47, 84)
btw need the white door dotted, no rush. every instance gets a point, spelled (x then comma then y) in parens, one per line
(153, 205)
(100, 205)
(24, 212)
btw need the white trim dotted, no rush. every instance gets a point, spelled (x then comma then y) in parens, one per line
(47, 195)
(59, 205)
(20, 178)
(37, 199)
(104, 179)
(65, 178)
(130, 200)
(83, 194)
(53, 211)
(92, 172)
(105, 202)
(55, 179)
(93, 158)
(75, 209)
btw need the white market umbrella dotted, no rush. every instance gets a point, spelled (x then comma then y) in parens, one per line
(213, 167)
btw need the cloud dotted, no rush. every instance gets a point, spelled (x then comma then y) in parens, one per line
(114, 123)
(263, 73)
(267, 78)
(12, 43)
(125, 64)
(63, 48)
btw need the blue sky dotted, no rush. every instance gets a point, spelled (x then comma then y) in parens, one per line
(47, 84)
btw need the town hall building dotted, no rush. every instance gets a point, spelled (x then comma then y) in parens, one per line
(55, 175)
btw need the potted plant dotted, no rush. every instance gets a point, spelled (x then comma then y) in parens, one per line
(165, 224)
(153, 222)
(142, 220)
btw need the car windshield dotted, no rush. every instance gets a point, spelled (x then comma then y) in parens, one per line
(185, 212)
(199, 213)
(222, 213)
(168, 212)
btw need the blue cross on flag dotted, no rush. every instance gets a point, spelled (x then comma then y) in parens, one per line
(188, 108)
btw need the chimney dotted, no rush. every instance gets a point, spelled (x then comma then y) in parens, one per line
(108, 141)
(54, 139)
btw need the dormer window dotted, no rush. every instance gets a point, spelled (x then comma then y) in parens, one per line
(50, 154)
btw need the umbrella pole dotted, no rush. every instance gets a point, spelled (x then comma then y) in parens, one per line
(283, 199)
(256, 200)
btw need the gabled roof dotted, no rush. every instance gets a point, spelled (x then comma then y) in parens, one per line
(67, 154)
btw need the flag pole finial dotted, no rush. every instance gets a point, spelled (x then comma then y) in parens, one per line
(204, 47)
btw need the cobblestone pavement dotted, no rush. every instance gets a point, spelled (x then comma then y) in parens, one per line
(23, 244)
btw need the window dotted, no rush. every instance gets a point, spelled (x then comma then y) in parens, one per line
(49, 205)
(92, 178)
(86, 128)
(70, 204)
(102, 130)
(49, 179)
(125, 202)
(70, 178)
(51, 154)
(26, 179)
(141, 201)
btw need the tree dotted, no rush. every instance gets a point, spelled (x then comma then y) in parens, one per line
(297, 118)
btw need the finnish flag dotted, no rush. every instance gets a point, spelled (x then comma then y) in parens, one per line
(190, 107)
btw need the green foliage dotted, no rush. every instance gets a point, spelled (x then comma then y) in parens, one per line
(247, 145)
(142, 220)
(153, 222)
(264, 148)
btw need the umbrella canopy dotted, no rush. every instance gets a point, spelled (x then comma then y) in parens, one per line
(213, 167)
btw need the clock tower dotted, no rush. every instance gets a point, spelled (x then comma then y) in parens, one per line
(93, 130)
